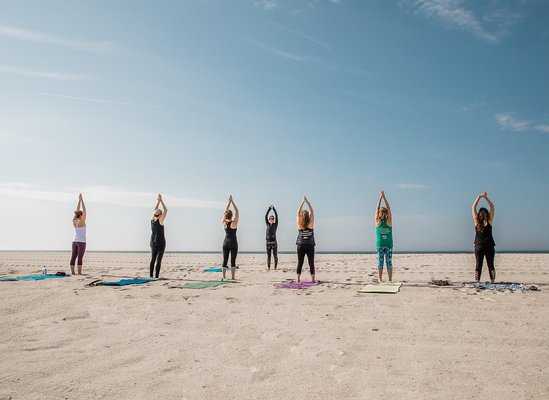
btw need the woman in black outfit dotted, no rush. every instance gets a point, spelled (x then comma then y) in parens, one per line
(305, 238)
(158, 240)
(484, 241)
(272, 245)
(230, 244)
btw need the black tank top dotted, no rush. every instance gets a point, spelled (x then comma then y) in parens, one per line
(157, 234)
(230, 234)
(305, 236)
(484, 238)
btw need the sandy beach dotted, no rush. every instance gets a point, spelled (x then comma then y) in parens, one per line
(61, 339)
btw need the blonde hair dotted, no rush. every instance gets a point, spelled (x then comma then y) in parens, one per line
(304, 219)
(382, 214)
(228, 216)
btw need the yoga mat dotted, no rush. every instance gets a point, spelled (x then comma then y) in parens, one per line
(512, 286)
(381, 288)
(31, 278)
(124, 282)
(296, 285)
(200, 285)
(217, 269)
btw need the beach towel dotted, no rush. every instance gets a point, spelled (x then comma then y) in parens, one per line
(217, 269)
(122, 282)
(381, 288)
(296, 285)
(512, 286)
(200, 285)
(32, 278)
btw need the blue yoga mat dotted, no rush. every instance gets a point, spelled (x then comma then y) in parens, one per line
(32, 278)
(216, 269)
(124, 282)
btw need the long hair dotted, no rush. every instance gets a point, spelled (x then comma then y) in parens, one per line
(228, 215)
(77, 214)
(483, 217)
(304, 219)
(382, 214)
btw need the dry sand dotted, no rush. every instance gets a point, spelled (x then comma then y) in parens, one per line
(63, 340)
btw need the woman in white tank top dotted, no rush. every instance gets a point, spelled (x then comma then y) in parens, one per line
(79, 243)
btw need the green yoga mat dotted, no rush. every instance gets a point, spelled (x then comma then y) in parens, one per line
(199, 285)
(381, 288)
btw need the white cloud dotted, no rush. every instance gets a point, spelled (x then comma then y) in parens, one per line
(411, 186)
(491, 27)
(509, 122)
(472, 106)
(266, 4)
(91, 99)
(312, 60)
(102, 194)
(73, 44)
(301, 34)
(542, 128)
(41, 74)
(285, 54)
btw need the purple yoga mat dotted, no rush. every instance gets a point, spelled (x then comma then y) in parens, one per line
(296, 285)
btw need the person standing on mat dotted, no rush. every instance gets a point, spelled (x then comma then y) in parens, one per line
(305, 238)
(158, 240)
(384, 237)
(272, 246)
(79, 243)
(484, 241)
(230, 244)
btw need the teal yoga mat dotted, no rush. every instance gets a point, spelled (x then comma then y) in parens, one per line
(32, 278)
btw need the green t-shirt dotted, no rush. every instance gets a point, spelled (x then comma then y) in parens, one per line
(384, 235)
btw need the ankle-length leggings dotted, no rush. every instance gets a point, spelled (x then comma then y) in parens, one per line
(157, 252)
(302, 250)
(489, 253)
(272, 247)
(78, 250)
(231, 248)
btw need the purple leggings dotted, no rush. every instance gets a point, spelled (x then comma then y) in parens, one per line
(78, 249)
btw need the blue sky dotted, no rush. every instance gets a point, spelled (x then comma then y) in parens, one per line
(433, 101)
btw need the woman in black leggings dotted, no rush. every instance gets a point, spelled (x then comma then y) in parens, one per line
(484, 241)
(230, 244)
(158, 240)
(305, 238)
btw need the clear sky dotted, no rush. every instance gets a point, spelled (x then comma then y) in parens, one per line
(433, 101)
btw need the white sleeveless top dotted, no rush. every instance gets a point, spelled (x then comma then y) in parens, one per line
(80, 234)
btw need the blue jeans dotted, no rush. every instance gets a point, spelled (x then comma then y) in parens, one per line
(387, 253)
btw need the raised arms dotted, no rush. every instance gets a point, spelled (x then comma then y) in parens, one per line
(83, 205)
(311, 213)
(165, 209)
(389, 215)
(376, 216)
(492, 209)
(490, 204)
(236, 213)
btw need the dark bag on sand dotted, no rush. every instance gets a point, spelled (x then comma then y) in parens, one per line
(60, 274)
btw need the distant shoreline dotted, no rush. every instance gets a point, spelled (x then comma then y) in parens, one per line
(283, 252)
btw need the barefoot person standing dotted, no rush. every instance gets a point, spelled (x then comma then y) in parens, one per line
(384, 237)
(484, 241)
(79, 243)
(305, 238)
(272, 245)
(158, 240)
(230, 244)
